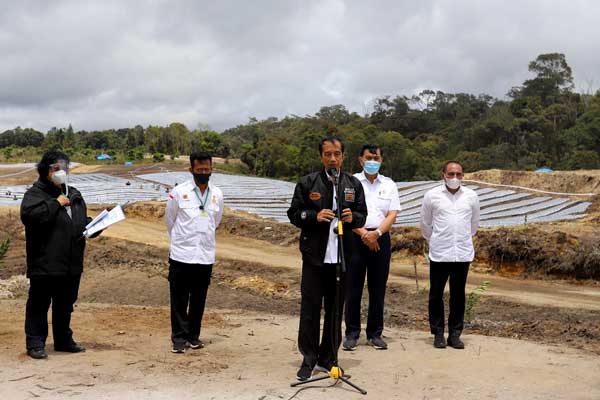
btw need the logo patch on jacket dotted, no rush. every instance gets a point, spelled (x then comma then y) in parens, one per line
(314, 196)
(349, 194)
(185, 196)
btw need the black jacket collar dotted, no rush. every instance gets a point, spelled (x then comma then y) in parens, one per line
(48, 187)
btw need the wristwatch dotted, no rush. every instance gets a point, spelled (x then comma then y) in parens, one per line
(379, 232)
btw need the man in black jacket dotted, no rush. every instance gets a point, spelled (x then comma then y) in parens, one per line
(55, 216)
(313, 209)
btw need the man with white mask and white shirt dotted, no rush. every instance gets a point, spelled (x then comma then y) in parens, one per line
(449, 220)
(372, 251)
(193, 213)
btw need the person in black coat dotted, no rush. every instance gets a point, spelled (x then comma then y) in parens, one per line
(55, 216)
(313, 209)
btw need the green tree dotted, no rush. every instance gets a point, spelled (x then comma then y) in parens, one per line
(583, 159)
(553, 78)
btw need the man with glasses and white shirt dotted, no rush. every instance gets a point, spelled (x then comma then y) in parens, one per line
(373, 251)
(449, 220)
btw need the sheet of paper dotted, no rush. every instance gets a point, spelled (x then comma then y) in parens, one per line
(98, 218)
(112, 217)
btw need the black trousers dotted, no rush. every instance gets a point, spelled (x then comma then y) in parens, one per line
(318, 290)
(188, 285)
(62, 292)
(375, 265)
(439, 272)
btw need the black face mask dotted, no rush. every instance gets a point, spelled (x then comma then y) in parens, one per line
(201, 179)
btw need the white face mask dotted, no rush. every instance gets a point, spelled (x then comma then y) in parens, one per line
(59, 177)
(453, 183)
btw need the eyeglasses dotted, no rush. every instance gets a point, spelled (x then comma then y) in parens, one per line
(59, 165)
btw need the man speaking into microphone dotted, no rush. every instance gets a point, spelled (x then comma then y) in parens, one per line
(314, 210)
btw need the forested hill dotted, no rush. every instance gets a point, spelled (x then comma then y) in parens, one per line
(544, 123)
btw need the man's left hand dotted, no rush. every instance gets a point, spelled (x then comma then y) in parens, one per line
(370, 237)
(347, 215)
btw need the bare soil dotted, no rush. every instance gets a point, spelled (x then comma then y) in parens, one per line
(530, 338)
(582, 181)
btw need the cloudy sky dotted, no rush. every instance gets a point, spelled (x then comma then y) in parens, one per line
(110, 64)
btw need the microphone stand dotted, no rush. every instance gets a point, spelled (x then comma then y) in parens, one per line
(336, 372)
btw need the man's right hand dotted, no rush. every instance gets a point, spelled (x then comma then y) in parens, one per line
(63, 200)
(325, 215)
(373, 246)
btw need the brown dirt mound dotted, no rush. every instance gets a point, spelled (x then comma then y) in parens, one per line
(522, 251)
(584, 181)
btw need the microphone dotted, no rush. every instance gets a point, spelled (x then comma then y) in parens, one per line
(333, 172)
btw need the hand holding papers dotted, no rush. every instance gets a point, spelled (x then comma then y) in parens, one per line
(104, 220)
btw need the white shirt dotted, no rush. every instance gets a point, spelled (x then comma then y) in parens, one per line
(331, 253)
(449, 222)
(192, 242)
(381, 197)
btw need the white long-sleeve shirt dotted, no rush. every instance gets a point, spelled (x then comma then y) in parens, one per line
(449, 222)
(192, 230)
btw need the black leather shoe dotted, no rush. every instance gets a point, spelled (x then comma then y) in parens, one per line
(439, 342)
(455, 342)
(38, 354)
(73, 348)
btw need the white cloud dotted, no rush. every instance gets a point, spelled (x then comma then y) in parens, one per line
(110, 64)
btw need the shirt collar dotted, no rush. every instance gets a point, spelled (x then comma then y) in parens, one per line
(197, 189)
(445, 188)
(363, 177)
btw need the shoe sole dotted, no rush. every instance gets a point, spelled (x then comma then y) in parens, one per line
(458, 347)
(300, 379)
(38, 357)
(377, 347)
(177, 351)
